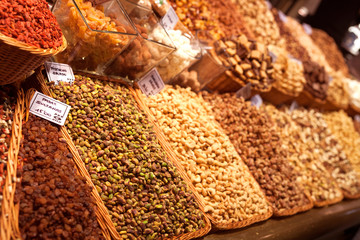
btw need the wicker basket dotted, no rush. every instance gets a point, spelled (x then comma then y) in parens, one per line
(102, 213)
(165, 144)
(8, 220)
(18, 59)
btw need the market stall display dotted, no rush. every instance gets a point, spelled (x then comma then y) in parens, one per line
(256, 139)
(330, 50)
(29, 35)
(141, 189)
(54, 201)
(231, 196)
(342, 127)
(247, 61)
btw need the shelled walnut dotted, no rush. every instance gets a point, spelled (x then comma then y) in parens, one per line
(342, 127)
(247, 60)
(302, 141)
(258, 143)
(229, 192)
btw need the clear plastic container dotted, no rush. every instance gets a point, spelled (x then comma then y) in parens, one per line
(96, 31)
(152, 45)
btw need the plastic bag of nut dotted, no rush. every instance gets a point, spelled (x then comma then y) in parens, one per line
(322, 186)
(144, 195)
(231, 196)
(258, 142)
(246, 61)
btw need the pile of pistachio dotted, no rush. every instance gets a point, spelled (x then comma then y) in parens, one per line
(143, 192)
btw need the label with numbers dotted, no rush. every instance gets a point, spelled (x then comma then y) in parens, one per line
(151, 83)
(294, 105)
(282, 17)
(244, 92)
(48, 108)
(170, 19)
(59, 72)
(256, 101)
(307, 28)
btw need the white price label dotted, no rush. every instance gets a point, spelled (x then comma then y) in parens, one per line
(170, 19)
(244, 92)
(330, 79)
(282, 17)
(256, 101)
(268, 4)
(151, 83)
(357, 117)
(307, 28)
(294, 59)
(48, 108)
(59, 72)
(294, 105)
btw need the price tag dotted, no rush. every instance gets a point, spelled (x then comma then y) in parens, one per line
(170, 19)
(273, 56)
(48, 108)
(58, 72)
(357, 117)
(282, 16)
(307, 28)
(294, 59)
(244, 92)
(256, 101)
(151, 83)
(330, 79)
(294, 105)
(268, 4)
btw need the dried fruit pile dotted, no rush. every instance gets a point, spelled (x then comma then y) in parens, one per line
(257, 141)
(229, 192)
(317, 80)
(31, 22)
(55, 201)
(143, 192)
(6, 116)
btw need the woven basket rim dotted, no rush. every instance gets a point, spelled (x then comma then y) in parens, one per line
(9, 217)
(297, 209)
(329, 202)
(32, 49)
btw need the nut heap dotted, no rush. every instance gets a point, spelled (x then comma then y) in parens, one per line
(6, 116)
(261, 21)
(228, 190)
(338, 92)
(229, 18)
(143, 192)
(247, 60)
(288, 73)
(329, 48)
(55, 202)
(318, 181)
(342, 127)
(317, 80)
(305, 40)
(293, 46)
(334, 158)
(354, 92)
(197, 17)
(300, 138)
(258, 144)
